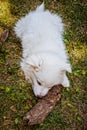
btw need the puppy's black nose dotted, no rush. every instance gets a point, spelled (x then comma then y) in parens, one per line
(39, 96)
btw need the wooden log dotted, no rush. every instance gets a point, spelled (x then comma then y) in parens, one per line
(44, 106)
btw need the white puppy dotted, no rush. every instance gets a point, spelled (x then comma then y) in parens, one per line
(44, 61)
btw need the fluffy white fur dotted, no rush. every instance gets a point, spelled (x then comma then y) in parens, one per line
(44, 61)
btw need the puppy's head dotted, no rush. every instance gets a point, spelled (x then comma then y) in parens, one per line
(45, 71)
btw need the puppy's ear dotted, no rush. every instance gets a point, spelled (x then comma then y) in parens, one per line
(34, 62)
(66, 67)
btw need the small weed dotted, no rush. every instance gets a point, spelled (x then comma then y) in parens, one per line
(16, 121)
(79, 118)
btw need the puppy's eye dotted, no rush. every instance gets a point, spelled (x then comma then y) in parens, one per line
(38, 82)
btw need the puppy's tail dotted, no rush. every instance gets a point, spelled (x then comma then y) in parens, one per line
(40, 8)
(20, 28)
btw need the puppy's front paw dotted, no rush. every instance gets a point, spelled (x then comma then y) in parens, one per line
(66, 82)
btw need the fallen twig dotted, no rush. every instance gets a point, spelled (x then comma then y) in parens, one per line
(4, 36)
(44, 106)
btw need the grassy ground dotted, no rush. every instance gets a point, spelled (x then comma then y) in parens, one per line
(16, 96)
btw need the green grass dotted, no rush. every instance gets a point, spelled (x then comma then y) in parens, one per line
(16, 95)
